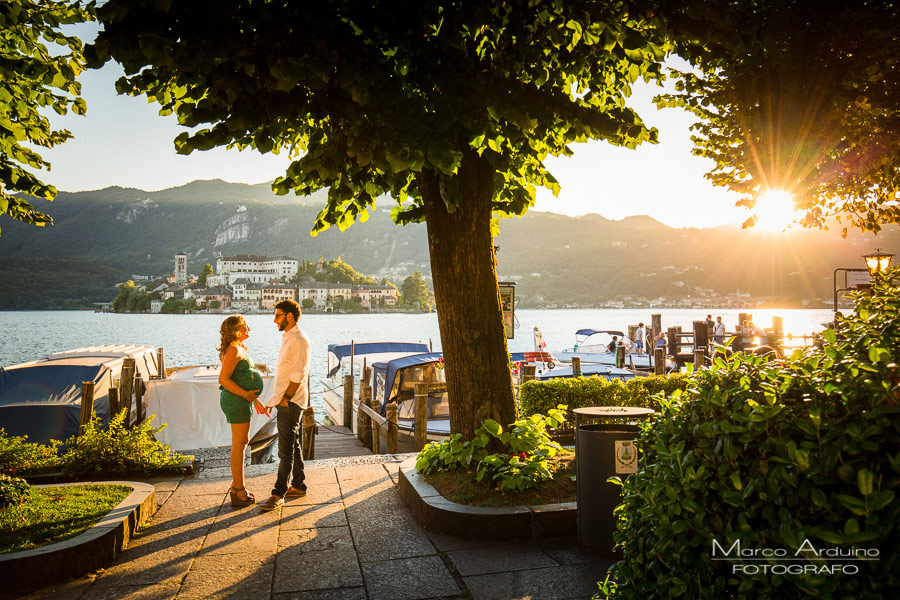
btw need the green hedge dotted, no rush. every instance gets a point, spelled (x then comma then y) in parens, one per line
(538, 397)
(783, 456)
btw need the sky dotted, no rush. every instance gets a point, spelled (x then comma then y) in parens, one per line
(122, 141)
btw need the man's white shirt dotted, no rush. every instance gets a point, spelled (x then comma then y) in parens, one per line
(292, 366)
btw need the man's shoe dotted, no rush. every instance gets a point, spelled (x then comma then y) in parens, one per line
(271, 503)
(295, 492)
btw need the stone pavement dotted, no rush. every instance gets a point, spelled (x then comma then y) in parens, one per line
(350, 538)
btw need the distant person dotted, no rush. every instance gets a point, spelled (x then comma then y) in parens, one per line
(241, 385)
(612, 345)
(745, 333)
(640, 334)
(710, 327)
(291, 395)
(719, 331)
(661, 340)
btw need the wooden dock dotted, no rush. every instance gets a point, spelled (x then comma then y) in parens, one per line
(333, 441)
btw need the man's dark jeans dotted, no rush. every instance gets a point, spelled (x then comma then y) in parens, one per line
(291, 459)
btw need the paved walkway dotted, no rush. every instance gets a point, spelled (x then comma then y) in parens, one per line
(350, 538)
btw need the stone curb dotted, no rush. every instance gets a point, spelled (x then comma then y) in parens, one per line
(85, 552)
(436, 513)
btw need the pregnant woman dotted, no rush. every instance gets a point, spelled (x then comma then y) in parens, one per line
(241, 385)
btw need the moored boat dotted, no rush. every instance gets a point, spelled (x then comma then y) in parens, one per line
(187, 400)
(42, 398)
(595, 346)
(348, 359)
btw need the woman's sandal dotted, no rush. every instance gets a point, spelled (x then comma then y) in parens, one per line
(236, 500)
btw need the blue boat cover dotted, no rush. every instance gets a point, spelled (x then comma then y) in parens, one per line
(593, 331)
(389, 370)
(43, 400)
(343, 350)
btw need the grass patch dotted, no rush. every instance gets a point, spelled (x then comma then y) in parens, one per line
(460, 486)
(53, 514)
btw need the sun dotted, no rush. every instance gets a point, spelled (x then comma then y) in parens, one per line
(775, 211)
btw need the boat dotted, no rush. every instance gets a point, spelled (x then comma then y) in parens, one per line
(550, 366)
(41, 399)
(395, 381)
(350, 358)
(592, 346)
(187, 400)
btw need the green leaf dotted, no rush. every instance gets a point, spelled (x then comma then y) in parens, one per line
(864, 479)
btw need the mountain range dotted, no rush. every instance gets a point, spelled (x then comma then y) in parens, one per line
(103, 237)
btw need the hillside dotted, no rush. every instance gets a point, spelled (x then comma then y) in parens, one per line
(105, 236)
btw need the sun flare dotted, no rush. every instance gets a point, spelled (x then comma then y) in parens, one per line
(775, 211)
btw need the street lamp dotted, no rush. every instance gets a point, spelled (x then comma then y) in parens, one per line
(878, 262)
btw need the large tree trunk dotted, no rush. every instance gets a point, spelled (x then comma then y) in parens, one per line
(467, 298)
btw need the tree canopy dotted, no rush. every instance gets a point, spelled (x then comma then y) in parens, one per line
(449, 108)
(369, 95)
(38, 67)
(797, 95)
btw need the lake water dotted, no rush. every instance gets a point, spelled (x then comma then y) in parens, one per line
(192, 339)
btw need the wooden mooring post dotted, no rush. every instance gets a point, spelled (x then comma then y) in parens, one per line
(126, 387)
(364, 432)
(139, 398)
(87, 404)
(348, 402)
(659, 361)
(113, 402)
(421, 415)
(576, 366)
(161, 362)
(374, 426)
(309, 433)
(392, 428)
(699, 357)
(527, 373)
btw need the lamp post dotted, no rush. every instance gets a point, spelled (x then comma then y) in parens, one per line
(878, 262)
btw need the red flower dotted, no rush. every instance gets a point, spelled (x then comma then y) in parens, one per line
(522, 455)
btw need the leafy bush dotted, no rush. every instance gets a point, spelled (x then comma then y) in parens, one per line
(13, 490)
(17, 455)
(522, 465)
(786, 455)
(118, 449)
(538, 397)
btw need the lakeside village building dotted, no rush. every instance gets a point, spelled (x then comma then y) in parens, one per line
(249, 283)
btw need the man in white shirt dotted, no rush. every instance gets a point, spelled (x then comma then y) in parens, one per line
(291, 395)
(639, 336)
(719, 331)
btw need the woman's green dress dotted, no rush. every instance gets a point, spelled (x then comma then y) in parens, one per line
(236, 409)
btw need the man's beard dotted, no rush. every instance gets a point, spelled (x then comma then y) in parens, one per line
(282, 324)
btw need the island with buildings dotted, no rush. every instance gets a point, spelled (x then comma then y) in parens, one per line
(251, 283)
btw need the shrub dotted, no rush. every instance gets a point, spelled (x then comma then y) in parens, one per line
(13, 491)
(523, 463)
(786, 455)
(17, 455)
(538, 397)
(118, 449)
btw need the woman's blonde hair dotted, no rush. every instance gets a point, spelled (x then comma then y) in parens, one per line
(230, 334)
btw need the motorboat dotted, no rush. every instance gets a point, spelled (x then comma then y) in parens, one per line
(395, 381)
(187, 400)
(595, 346)
(350, 358)
(550, 366)
(42, 398)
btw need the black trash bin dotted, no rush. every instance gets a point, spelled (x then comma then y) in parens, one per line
(602, 451)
